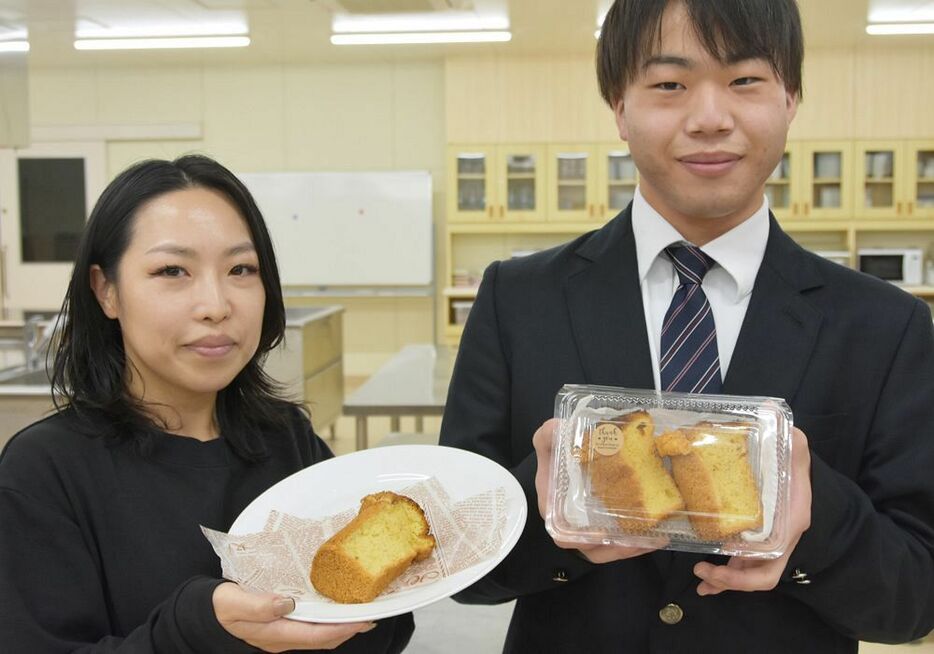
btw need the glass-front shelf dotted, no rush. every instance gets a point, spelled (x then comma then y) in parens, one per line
(572, 181)
(778, 194)
(520, 182)
(925, 196)
(827, 195)
(621, 194)
(471, 182)
(471, 195)
(621, 179)
(827, 192)
(879, 184)
(620, 167)
(924, 193)
(778, 186)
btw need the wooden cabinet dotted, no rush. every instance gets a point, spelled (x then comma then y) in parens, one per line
(919, 179)
(783, 188)
(826, 185)
(881, 185)
(589, 183)
(813, 181)
(572, 183)
(832, 196)
(496, 183)
(894, 179)
(618, 179)
(470, 248)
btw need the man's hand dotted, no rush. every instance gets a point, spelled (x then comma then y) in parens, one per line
(256, 618)
(543, 441)
(757, 574)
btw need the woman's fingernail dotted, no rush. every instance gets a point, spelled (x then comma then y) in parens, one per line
(283, 605)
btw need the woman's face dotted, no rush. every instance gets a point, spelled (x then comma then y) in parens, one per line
(188, 297)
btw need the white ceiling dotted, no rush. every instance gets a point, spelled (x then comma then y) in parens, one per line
(297, 31)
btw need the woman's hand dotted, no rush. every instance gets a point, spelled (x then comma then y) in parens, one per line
(256, 618)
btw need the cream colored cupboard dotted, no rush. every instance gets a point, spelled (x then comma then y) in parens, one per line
(895, 179)
(832, 196)
(813, 181)
(589, 182)
(490, 184)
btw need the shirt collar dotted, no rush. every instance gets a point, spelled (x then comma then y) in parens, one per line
(739, 251)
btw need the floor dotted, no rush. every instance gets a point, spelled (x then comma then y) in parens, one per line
(450, 628)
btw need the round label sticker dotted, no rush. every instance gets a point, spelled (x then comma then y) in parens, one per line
(607, 439)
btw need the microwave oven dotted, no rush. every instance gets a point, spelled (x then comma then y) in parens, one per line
(896, 265)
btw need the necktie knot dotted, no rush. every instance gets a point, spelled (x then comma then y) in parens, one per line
(690, 263)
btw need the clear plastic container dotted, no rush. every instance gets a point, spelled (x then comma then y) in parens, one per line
(695, 473)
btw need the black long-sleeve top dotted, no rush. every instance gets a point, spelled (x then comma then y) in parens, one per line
(100, 546)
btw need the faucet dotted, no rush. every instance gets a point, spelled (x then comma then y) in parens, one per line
(38, 334)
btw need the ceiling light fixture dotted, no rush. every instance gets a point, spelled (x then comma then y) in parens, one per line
(879, 29)
(448, 22)
(402, 38)
(161, 43)
(14, 46)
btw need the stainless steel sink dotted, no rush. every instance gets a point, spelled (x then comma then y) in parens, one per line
(20, 376)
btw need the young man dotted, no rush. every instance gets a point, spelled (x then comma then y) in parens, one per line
(704, 91)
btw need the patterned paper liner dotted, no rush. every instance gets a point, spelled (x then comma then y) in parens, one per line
(278, 559)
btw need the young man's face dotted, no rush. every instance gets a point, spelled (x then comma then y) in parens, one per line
(705, 136)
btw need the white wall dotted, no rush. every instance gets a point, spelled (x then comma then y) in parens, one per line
(380, 116)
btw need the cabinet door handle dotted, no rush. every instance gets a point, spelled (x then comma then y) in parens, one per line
(794, 209)
(807, 208)
(911, 208)
(898, 207)
(602, 211)
(590, 207)
(489, 211)
(502, 211)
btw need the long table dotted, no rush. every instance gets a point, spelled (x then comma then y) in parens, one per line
(414, 382)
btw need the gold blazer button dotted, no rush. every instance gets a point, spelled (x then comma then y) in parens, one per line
(671, 614)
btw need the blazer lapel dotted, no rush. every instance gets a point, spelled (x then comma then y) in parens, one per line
(775, 343)
(604, 300)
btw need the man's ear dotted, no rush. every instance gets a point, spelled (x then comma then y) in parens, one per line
(104, 291)
(619, 110)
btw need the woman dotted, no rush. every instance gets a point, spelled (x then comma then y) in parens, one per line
(166, 421)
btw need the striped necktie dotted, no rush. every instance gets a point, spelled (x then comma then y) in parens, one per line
(689, 362)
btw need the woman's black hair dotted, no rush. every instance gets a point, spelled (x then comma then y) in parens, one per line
(90, 367)
(730, 30)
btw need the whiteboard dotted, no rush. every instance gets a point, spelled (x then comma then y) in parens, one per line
(348, 229)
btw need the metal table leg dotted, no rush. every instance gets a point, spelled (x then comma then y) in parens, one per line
(361, 433)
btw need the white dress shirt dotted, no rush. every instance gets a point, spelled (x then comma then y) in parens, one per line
(728, 285)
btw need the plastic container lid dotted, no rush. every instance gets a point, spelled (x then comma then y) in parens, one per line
(697, 473)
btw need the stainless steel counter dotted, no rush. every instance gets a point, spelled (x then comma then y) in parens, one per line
(309, 365)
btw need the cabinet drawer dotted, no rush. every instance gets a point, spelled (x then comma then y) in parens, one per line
(323, 343)
(324, 395)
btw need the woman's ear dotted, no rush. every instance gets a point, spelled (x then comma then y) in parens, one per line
(104, 291)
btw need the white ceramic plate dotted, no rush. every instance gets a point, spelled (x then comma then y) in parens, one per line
(338, 484)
